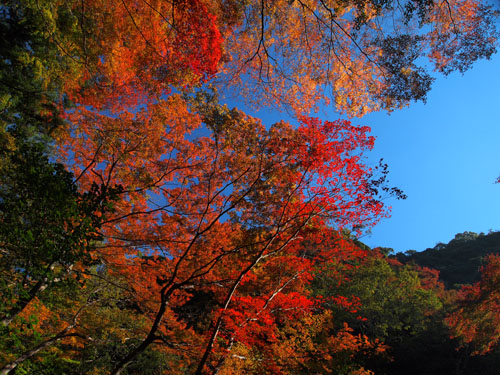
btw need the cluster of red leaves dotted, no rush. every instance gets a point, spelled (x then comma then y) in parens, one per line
(332, 151)
(139, 50)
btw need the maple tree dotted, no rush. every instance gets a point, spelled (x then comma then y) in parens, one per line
(361, 55)
(207, 210)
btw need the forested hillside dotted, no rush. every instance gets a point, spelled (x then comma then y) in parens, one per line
(459, 261)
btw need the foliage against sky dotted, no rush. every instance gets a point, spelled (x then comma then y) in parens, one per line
(190, 200)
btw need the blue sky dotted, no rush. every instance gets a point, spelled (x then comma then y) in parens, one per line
(445, 155)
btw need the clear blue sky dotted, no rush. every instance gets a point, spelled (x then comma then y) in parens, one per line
(445, 155)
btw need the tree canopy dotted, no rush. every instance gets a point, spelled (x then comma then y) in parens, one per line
(147, 228)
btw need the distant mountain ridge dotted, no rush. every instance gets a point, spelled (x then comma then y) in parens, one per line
(460, 260)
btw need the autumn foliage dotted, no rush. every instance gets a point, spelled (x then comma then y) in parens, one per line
(476, 318)
(183, 236)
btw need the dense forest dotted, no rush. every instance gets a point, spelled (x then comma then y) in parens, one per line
(148, 228)
(460, 260)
